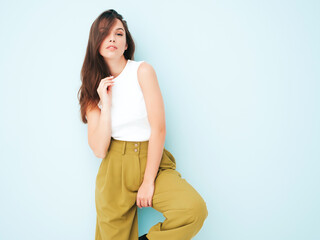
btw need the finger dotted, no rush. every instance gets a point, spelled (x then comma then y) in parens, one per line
(138, 203)
(106, 82)
(106, 85)
(107, 79)
(145, 203)
(142, 203)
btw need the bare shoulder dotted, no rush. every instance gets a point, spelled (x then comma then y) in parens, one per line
(145, 67)
(145, 72)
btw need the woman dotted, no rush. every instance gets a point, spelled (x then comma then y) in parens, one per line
(121, 101)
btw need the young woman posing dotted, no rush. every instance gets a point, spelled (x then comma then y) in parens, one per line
(121, 102)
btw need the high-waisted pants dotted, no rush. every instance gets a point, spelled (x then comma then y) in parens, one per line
(119, 177)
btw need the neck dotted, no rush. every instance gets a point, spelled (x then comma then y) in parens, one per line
(116, 65)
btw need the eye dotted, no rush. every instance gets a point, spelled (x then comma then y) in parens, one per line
(120, 34)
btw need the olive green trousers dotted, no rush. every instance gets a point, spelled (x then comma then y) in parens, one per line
(119, 177)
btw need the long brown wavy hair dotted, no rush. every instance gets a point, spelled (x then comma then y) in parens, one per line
(94, 68)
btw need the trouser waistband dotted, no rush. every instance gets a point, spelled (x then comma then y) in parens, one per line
(131, 147)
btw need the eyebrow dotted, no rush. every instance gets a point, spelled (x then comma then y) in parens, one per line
(120, 29)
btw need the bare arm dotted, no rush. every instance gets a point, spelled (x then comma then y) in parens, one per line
(156, 116)
(99, 130)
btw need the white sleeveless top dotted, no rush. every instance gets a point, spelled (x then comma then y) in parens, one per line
(129, 118)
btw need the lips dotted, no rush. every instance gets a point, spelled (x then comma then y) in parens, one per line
(112, 46)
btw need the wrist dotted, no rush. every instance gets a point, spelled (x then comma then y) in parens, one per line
(148, 181)
(106, 109)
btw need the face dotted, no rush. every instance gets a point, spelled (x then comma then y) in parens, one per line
(116, 37)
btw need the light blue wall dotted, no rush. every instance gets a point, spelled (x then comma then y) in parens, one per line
(240, 81)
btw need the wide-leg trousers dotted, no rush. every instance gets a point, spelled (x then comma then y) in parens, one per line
(119, 177)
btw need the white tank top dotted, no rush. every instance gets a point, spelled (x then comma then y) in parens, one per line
(129, 118)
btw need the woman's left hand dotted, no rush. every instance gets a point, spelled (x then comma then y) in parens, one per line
(145, 194)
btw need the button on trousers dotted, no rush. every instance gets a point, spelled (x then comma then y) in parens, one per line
(119, 177)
